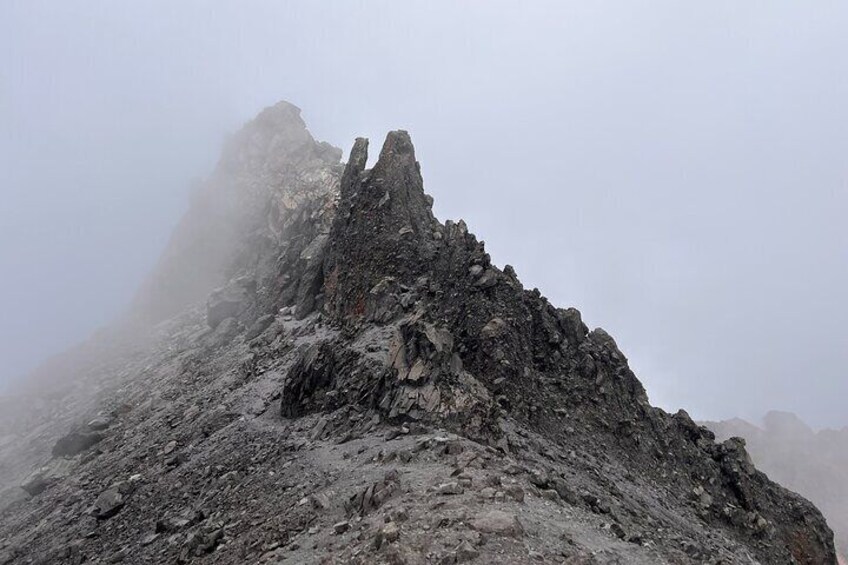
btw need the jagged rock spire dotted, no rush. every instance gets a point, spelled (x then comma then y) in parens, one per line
(350, 310)
(384, 226)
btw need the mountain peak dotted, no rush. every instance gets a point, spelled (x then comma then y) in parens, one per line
(334, 350)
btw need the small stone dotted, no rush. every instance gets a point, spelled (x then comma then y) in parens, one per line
(499, 523)
(450, 488)
(399, 515)
(494, 328)
(108, 504)
(515, 492)
(513, 469)
(618, 530)
(318, 430)
(99, 423)
(391, 533)
(341, 527)
(258, 327)
(564, 491)
(466, 552)
(487, 492)
(549, 494)
(540, 479)
(320, 501)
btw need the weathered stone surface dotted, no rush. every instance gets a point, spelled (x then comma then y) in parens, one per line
(312, 375)
(108, 504)
(47, 475)
(258, 327)
(99, 424)
(374, 496)
(75, 443)
(227, 302)
(499, 523)
(396, 342)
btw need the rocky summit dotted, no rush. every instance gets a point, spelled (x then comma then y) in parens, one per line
(320, 371)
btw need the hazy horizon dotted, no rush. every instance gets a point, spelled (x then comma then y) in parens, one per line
(677, 173)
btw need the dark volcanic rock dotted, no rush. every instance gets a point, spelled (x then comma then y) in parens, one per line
(108, 504)
(371, 375)
(809, 462)
(76, 442)
(228, 302)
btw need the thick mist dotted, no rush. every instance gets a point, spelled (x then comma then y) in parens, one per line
(676, 172)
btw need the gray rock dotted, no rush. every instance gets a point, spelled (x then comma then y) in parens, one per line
(389, 533)
(515, 492)
(226, 302)
(466, 552)
(450, 488)
(494, 328)
(75, 443)
(564, 491)
(108, 504)
(44, 477)
(259, 326)
(374, 496)
(99, 424)
(225, 332)
(499, 523)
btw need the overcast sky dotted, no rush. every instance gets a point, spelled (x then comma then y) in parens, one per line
(678, 171)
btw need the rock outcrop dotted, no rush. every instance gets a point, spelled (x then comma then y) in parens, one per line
(342, 378)
(813, 463)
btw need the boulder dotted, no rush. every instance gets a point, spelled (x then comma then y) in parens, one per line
(499, 523)
(108, 504)
(99, 424)
(226, 302)
(44, 477)
(75, 443)
(258, 327)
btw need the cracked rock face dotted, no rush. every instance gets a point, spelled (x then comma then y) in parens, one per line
(336, 376)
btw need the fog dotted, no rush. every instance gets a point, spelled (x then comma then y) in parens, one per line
(676, 171)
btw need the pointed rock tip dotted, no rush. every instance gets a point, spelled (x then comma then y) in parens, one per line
(397, 165)
(398, 144)
(359, 154)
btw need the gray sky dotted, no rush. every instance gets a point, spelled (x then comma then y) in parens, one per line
(676, 170)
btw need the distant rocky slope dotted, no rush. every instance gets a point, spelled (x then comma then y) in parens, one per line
(320, 371)
(812, 463)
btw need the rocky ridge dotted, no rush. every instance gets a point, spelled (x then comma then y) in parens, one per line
(332, 375)
(810, 462)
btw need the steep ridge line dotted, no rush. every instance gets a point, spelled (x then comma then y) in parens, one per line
(367, 369)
